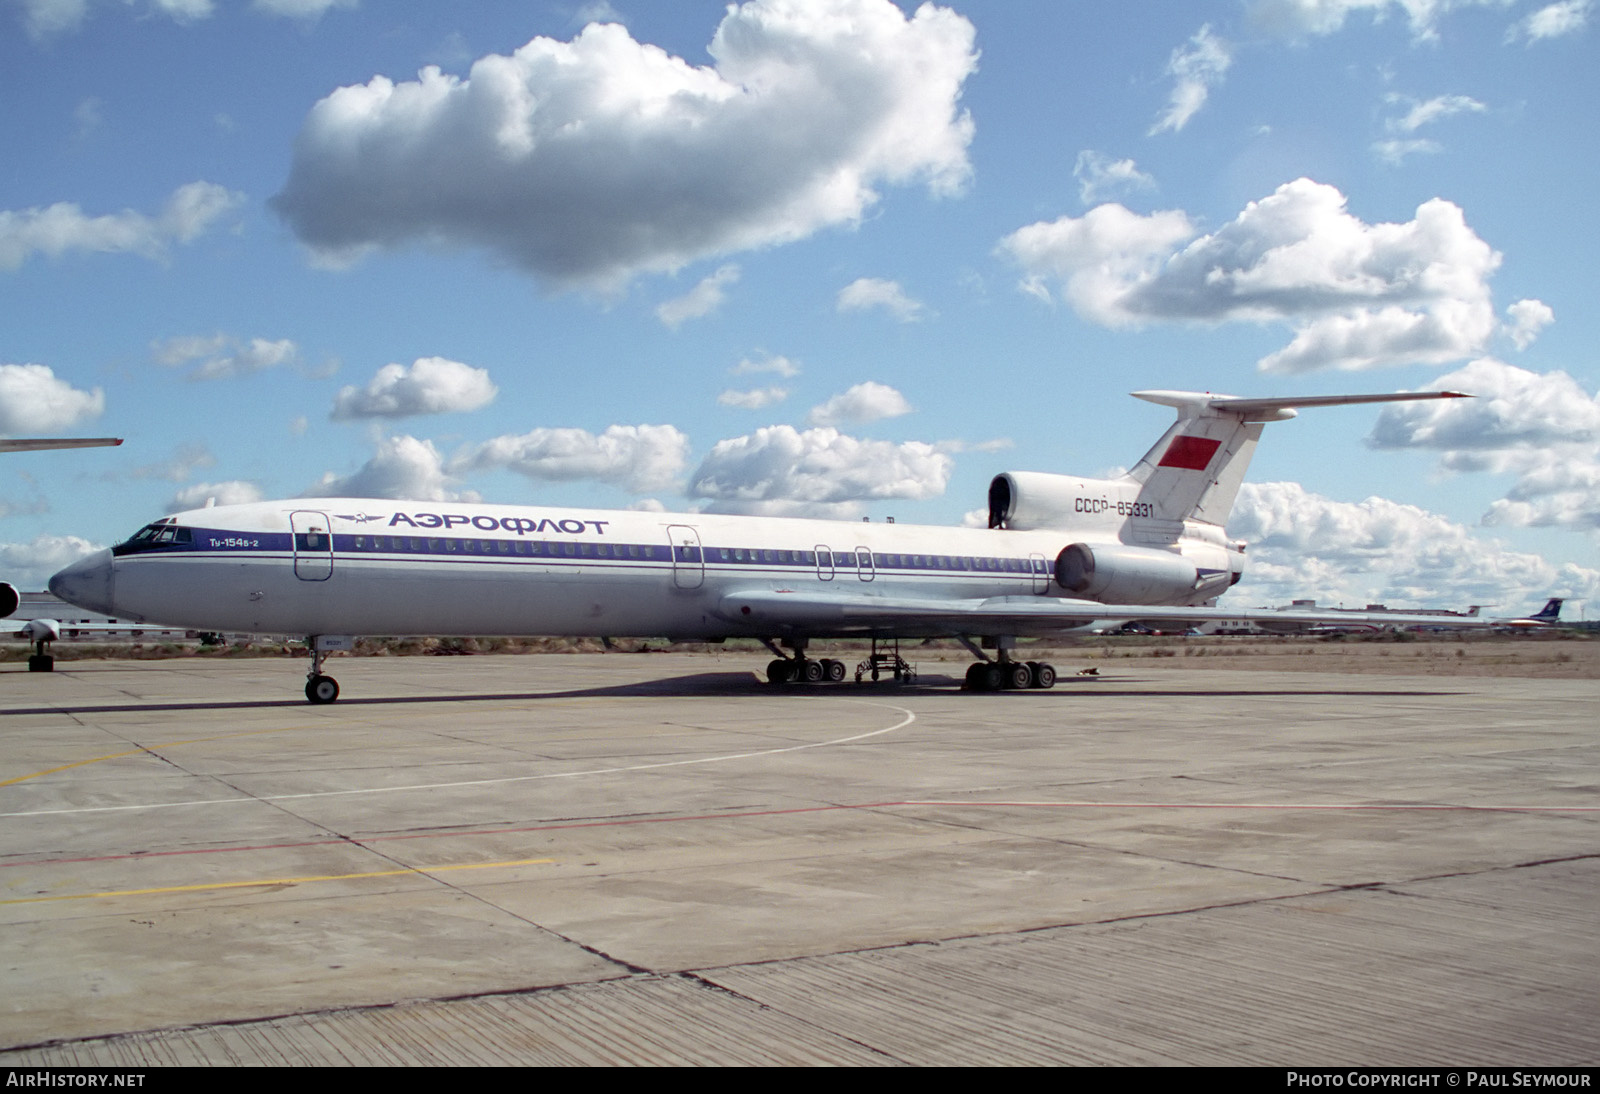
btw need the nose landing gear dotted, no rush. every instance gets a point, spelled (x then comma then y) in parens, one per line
(322, 689)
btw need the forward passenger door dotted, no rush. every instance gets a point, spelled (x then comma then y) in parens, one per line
(313, 545)
(688, 560)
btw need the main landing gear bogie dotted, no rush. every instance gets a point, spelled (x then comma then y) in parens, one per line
(1010, 675)
(786, 671)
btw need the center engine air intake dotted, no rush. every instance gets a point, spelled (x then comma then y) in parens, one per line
(1025, 501)
(1125, 575)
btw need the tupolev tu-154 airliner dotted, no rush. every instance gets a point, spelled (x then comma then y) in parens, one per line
(1060, 553)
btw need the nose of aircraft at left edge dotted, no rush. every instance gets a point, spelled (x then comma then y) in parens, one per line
(86, 583)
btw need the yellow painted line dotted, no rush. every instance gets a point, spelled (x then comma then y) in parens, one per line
(246, 733)
(279, 881)
(505, 780)
(69, 767)
(146, 749)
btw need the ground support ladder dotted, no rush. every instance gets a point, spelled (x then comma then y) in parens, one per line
(889, 661)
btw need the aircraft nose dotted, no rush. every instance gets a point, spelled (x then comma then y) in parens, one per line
(86, 583)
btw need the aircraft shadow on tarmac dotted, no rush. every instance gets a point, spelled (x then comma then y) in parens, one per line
(739, 684)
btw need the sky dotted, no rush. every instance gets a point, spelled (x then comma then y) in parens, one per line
(839, 258)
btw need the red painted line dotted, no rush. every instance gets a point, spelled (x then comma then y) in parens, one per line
(1397, 807)
(363, 840)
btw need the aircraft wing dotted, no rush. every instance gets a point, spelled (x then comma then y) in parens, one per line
(49, 630)
(828, 613)
(36, 444)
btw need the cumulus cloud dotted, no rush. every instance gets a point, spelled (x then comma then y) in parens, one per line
(865, 402)
(402, 468)
(89, 115)
(1395, 150)
(223, 357)
(185, 461)
(1302, 18)
(781, 366)
(1401, 144)
(1101, 257)
(589, 162)
(1525, 319)
(29, 565)
(1100, 177)
(61, 228)
(432, 385)
(34, 400)
(33, 507)
(1513, 408)
(639, 458)
(1425, 113)
(184, 11)
(1356, 295)
(1552, 21)
(1197, 68)
(308, 10)
(44, 18)
(1542, 427)
(1552, 493)
(1305, 545)
(866, 293)
(757, 399)
(781, 471)
(232, 492)
(701, 300)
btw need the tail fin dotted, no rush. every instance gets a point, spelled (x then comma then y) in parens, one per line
(1195, 470)
(1551, 612)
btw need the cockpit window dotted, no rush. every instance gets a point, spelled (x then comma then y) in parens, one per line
(160, 534)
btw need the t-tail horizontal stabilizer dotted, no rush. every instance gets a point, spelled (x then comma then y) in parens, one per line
(1197, 466)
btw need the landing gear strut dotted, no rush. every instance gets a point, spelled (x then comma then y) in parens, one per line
(322, 689)
(1004, 674)
(41, 632)
(41, 660)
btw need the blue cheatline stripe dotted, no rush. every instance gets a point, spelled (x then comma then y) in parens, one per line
(222, 544)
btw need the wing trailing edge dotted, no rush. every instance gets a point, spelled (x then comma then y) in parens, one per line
(821, 615)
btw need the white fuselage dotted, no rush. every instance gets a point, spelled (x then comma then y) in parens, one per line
(365, 567)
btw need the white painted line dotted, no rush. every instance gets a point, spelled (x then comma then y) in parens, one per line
(901, 724)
